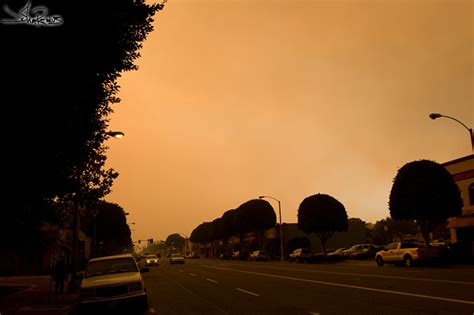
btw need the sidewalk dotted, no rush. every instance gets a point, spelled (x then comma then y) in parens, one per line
(29, 295)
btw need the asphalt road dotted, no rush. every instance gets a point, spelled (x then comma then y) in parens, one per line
(205, 286)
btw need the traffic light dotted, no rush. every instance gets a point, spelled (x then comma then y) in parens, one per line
(150, 240)
(139, 241)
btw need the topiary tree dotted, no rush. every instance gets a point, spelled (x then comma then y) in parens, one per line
(175, 240)
(424, 191)
(323, 215)
(256, 216)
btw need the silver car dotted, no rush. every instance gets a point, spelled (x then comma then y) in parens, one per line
(113, 282)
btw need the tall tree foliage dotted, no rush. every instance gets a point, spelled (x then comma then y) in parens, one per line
(112, 230)
(424, 191)
(175, 240)
(61, 82)
(322, 214)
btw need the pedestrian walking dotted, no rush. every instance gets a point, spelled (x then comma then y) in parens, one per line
(59, 275)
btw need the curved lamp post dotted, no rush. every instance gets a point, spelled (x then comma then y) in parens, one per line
(75, 231)
(471, 135)
(282, 257)
(115, 134)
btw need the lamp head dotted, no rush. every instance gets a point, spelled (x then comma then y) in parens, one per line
(435, 115)
(116, 134)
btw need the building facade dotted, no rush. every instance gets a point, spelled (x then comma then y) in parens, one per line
(462, 227)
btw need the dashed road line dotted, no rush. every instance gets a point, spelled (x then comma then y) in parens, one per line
(439, 298)
(248, 292)
(211, 280)
(192, 274)
(180, 270)
(369, 275)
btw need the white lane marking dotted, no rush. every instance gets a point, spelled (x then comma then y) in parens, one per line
(369, 275)
(201, 298)
(152, 310)
(180, 270)
(192, 274)
(211, 280)
(349, 286)
(248, 292)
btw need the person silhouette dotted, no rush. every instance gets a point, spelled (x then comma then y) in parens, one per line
(59, 274)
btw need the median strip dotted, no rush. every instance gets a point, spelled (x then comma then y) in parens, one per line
(348, 286)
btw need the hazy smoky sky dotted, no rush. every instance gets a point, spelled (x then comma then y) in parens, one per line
(236, 99)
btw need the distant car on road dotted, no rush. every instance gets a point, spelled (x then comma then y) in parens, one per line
(113, 281)
(300, 255)
(259, 255)
(152, 260)
(176, 259)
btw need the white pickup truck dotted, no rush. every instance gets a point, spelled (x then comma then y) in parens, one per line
(403, 253)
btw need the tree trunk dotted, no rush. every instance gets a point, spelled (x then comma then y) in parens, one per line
(425, 233)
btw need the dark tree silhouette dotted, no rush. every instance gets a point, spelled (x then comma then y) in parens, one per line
(202, 233)
(112, 229)
(424, 191)
(175, 240)
(386, 230)
(323, 215)
(256, 215)
(228, 225)
(60, 83)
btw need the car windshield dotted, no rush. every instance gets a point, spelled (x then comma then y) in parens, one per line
(105, 267)
(151, 257)
(176, 255)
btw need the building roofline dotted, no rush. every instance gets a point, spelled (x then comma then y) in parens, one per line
(461, 159)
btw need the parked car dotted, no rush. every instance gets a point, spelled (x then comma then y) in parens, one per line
(259, 255)
(300, 255)
(112, 281)
(365, 251)
(337, 254)
(176, 259)
(406, 253)
(235, 255)
(152, 260)
(356, 248)
(193, 255)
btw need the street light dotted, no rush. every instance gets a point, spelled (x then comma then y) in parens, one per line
(282, 257)
(76, 228)
(471, 135)
(115, 134)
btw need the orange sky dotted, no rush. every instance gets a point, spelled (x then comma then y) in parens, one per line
(235, 99)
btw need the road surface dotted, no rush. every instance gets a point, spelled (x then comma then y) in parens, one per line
(203, 286)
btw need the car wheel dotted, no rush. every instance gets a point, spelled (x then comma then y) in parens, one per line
(407, 261)
(379, 261)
